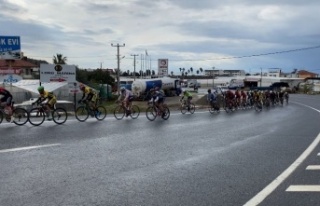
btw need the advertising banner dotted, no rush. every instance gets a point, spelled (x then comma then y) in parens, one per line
(57, 73)
(11, 78)
(5, 71)
(162, 67)
(10, 47)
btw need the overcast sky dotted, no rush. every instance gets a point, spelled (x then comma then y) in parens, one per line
(189, 33)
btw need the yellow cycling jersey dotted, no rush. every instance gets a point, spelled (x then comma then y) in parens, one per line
(48, 95)
(88, 90)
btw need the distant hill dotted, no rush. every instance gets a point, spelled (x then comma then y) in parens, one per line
(35, 61)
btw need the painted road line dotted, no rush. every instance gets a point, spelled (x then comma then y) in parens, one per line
(303, 188)
(28, 148)
(318, 154)
(313, 167)
(257, 199)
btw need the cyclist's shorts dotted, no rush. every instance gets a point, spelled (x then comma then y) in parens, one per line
(52, 102)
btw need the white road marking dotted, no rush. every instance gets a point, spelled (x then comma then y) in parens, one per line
(313, 167)
(303, 188)
(318, 154)
(27, 148)
(258, 198)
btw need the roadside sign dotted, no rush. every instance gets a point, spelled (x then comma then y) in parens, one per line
(57, 73)
(10, 47)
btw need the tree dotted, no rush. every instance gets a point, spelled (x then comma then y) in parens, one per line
(201, 70)
(59, 59)
(191, 70)
(171, 73)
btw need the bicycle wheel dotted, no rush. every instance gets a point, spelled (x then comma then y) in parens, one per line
(82, 113)
(166, 113)
(21, 116)
(119, 112)
(151, 113)
(183, 108)
(1, 116)
(135, 112)
(192, 108)
(258, 107)
(36, 116)
(59, 115)
(100, 113)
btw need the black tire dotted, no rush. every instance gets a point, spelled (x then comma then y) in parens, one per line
(183, 108)
(21, 116)
(119, 112)
(192, 108)
(82, 113)
(151, 114)
(36, 116)
(258, 107)
(135, 112)
(59, 115)
(1, 116)
(166, 113)
(100, 113)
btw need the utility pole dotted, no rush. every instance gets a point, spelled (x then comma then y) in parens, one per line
(134, 65)
(118, 68)
(261, 77)
(213, 77)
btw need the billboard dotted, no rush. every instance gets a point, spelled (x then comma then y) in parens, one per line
(10, 47)
(57, 73)
(163, 67)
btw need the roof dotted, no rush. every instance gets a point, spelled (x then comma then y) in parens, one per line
(305, 72)
(33, 84)
(16, 63)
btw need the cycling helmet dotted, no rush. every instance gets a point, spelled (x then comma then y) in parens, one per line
(122, 89)
(209, 90)
(40, 88)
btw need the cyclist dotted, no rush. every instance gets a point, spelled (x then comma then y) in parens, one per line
(286, 96)
(188, 97)
(212, 99)
(230, 98)
(50, 99)
(6, 102)
(126, 97)
(158, 99)
(91, 96)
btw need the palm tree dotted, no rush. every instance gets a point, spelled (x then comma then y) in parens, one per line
(171, 73)
(59, 59)
(201, 70)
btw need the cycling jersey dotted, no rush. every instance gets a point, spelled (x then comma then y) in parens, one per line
(45, 95)
(126, 95)
(91, 94)
(7, 97)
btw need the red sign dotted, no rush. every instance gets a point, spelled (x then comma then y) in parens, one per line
(5, 71)
(57, 80)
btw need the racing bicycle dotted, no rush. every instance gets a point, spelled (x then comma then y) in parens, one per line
(20, 115)
(38, 114)
(152, 112)
(83, 112)
(184, 108)
(120, 111)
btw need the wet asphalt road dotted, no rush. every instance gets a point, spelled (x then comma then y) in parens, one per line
(198, 159)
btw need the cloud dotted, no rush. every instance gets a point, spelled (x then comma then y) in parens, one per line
(189, 33)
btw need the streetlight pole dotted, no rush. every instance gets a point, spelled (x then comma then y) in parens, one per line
(134, 65)
(118, 60)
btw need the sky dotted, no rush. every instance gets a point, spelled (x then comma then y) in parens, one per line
(250, 35)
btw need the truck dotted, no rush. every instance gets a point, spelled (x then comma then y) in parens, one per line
(141, 87)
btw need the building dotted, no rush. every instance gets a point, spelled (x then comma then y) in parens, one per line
(305, 74)
(214, 72)
(17, 67)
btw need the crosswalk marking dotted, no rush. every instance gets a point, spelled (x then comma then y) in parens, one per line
(303, 188)
(313, 167)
